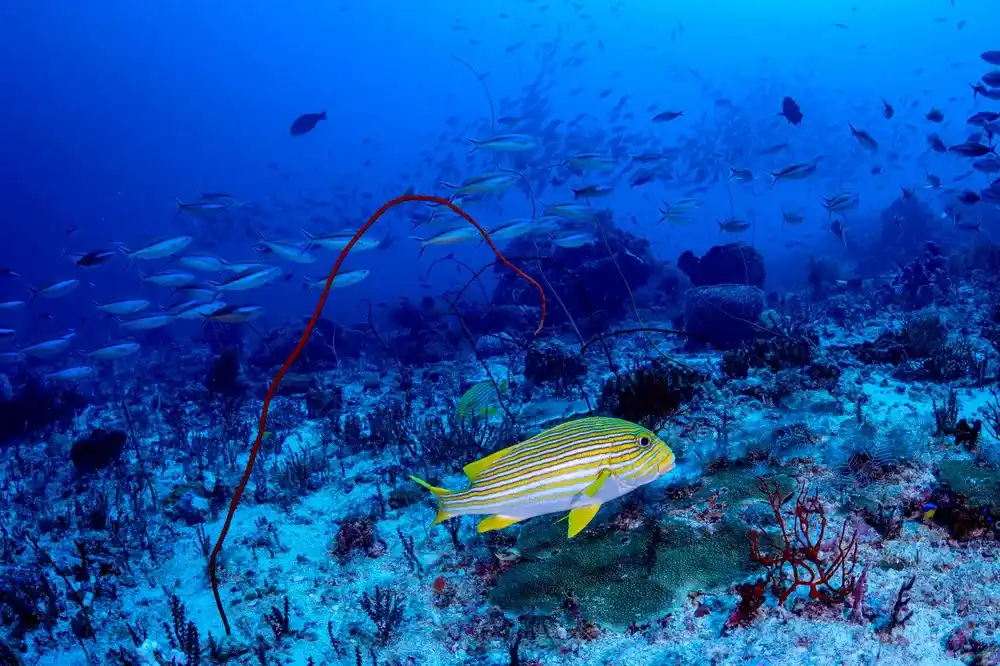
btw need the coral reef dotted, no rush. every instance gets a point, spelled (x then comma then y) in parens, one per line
(724, 316)
(592, 281)
(734, 263)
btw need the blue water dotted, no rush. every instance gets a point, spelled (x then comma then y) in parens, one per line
(112, 110)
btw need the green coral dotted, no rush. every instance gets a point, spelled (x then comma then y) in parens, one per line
(979, 485)
(607, 570)
(737, 485)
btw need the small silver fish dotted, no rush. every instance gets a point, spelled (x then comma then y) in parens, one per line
(289, 251)
(339, 240)
(157, 249)
(130, 306)
(340, 281)
(733, 226)
(742, 175)
(47, 348)
(70, 374)
(575, 240)
(112, 352)
(168, 278)
(147, 323)
(236, 314)
(505, 143)
(249, 280)
(203, 262)
(55, 289)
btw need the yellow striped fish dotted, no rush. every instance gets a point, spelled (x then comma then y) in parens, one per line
(575, 466)
(477, 401)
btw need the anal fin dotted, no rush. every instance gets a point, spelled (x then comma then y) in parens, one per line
(495, 522)
(580, 517)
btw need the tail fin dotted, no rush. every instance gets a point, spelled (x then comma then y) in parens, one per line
(306, 234)
(475, 144)
(774, 178)
(423, 244)
(440, 494)
(128, 255)
(180, 206)
(322, 115)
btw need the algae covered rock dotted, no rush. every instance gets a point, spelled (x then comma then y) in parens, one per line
(620, 577)
(980, 486)
(724, 316)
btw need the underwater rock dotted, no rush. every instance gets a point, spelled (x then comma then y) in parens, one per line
(295, 383)
(358, 534)
(724, 316)
(905, 224)
(734, 263)
(967, 434)
(223, 375)
(8, 657)
(97, 450)
(32, 406)
(924, 281)
(324, 401)
(777, 353)
(553, 361)
(190, 508)
(585, 278)
(923, 333)
(967, 503)
(619, 577)
(650, 394)
(495, 344)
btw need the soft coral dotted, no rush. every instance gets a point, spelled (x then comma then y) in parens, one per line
(800, 556)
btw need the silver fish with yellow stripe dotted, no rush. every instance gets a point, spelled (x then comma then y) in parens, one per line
(576, 466)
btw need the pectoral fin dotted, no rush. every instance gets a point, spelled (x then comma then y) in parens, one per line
(495, 522)
(595, 487)
(580, 517)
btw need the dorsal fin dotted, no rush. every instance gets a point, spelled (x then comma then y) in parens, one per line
(475, 468)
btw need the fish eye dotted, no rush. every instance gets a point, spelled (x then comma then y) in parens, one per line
(645, 441)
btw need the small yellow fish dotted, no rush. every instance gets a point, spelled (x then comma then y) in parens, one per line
(477, 400)
(575, 466)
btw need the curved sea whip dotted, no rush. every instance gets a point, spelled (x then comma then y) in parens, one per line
(300, 345)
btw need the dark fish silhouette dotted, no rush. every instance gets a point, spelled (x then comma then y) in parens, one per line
(306, 122)
(992, 57)
(864, 138)
(667, 116)
(936, 144)
(968, 197)
(887, 110)
(791, 111)
(970, 149)
(95, 258)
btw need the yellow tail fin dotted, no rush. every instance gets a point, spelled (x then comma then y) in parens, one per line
(440, 494)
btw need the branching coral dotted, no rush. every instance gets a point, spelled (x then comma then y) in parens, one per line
(386, 611)
(801, 556)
